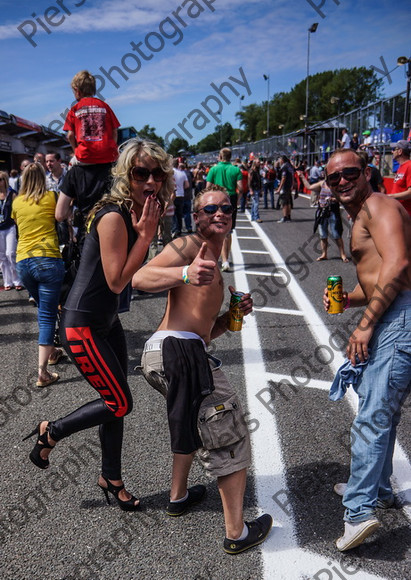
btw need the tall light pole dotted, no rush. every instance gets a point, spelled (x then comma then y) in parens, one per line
(240, 104)
(267, 78)
(311, 30)
(221, 129)
(406, 125)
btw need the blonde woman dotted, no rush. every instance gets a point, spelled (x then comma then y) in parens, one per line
(121, 227)
(8, 236)
(39, 262)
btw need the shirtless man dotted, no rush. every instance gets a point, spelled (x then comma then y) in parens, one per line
(381, 250)
(204, 411)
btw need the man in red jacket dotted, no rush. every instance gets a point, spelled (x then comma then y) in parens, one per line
(402, 181)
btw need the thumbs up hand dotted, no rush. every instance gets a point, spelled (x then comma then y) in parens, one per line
(201, 272)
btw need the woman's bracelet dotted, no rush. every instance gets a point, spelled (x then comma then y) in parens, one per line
(347, 303)
(186, 279)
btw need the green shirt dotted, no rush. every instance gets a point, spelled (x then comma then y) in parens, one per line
(226, 175)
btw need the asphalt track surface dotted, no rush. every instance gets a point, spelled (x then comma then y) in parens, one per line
(56, 525)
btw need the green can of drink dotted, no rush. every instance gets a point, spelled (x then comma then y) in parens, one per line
(335, 294)
(236, 315)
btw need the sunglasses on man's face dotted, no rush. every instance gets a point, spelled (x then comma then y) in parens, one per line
(142, 174)
(349, 174)
(212, 208)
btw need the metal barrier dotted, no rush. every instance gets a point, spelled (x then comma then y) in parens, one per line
(383, 118)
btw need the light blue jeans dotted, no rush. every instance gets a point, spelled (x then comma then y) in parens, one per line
(382, 390)
(255, 200)
(43, 278)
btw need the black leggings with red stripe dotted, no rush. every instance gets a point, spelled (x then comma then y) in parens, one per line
(100, 354)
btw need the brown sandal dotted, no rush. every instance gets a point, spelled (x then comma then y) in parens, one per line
(56, 356)
(53, 377)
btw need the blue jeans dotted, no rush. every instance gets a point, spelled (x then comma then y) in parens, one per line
(382, 389)
(269, 188)
(187, 214)
(255, 200)
(43, 278)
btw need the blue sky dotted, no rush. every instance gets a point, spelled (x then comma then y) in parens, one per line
(185, 46)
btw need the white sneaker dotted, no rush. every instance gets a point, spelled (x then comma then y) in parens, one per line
(383, 504)
(339, 488)
(355, 534)
(225, 267)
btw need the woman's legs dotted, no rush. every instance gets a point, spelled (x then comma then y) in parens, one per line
(11, 247)
(255, 214)
(4, 261)
(103, 363)
(49, 274)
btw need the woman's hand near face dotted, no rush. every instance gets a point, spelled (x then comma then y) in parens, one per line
(146, 226)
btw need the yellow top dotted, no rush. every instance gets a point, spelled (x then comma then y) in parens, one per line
(36, 226)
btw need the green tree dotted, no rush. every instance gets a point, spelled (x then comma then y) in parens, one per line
(223, 136)
(210, 143)
(249, 117)
(353, 88)
(176, 145)
(149, 133)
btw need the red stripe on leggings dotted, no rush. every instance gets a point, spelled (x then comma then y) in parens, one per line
(82, 333)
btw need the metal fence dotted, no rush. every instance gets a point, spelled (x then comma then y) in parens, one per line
(383, 118)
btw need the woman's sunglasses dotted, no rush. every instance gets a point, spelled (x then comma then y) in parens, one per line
(212, 208)
(349, 174)
(142, 174)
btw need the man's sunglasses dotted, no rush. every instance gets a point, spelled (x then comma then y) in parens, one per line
(212, 208)
(142, 174)
(349, 174)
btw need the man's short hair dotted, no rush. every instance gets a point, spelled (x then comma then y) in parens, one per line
(405, 147)
(360, 157)
(57, 156)
(225, 154)
(85, 83)
(210, 187)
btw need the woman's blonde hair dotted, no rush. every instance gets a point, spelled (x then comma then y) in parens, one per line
(33, 182)
(121, 172)
(6, 179)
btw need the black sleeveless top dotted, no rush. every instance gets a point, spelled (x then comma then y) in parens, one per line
(90, 291)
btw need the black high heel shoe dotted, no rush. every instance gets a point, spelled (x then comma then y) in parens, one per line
(125, 505)
(42, 443)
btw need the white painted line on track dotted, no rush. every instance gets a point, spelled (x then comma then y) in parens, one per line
(255, 252)
(271, 310)
(297, 381)
(268, 274)
(282, 558)
(249, 238)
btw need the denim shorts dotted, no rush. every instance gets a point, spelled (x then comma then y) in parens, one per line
(330, 222)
